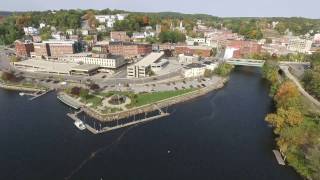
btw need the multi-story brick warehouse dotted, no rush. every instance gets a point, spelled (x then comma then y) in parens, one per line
(129, 49)
(244, 48)
(23, 49)
(41, 50)
(61, 48)
(202, 51)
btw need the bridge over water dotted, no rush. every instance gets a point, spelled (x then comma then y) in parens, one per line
(259, 63)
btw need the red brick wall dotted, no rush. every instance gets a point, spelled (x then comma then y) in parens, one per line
(42, 50)
(130, 51)
(188, 51)
(61, 49)
(24, 49)
(245, 48)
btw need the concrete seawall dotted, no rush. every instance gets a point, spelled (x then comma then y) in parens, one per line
(153, 106)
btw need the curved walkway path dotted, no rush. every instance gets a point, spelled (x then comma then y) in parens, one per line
(300, 87)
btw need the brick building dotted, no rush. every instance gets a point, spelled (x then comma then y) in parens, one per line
(55, 48)
(244, 48)
(129, 50)
(119, 36)
(41, 50)
(23, 49)
(58, 49)
(202, 51)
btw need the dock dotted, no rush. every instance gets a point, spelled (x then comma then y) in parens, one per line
(107, 129)
(279, 157)
(73, 116)
(38, 94)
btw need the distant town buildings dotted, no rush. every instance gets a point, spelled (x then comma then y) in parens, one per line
(299, 45)
(241, 48)
(316, 39)
(109, 20)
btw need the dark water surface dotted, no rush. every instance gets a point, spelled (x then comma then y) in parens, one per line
(218, 136)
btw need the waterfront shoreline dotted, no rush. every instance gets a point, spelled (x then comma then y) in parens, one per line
(153, 106)
(19, 88)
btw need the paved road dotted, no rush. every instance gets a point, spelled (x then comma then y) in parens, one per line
(300, 87)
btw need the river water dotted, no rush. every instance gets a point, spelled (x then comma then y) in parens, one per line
(222, 135)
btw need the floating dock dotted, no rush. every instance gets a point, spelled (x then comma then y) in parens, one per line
(107, 129)
(74, 116)
(279, 157)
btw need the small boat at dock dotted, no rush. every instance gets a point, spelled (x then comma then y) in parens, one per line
(80, 125)
(21, 94)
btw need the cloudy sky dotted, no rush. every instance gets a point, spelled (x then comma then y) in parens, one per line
(224, 8)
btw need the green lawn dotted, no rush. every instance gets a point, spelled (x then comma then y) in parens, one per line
(94, 100)
(147, 98)
(137, 100)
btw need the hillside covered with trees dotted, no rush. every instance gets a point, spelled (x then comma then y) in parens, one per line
(250, 28)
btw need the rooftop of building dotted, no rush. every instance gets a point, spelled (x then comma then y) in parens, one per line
(48, 66)
(194, 65)
(55, 41)
(160, 62)
(125, 43)
(85, 67)
(149, 59)
(197, 47)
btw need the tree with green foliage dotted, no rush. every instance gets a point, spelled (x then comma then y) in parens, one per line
(172, 37)
(223, 69)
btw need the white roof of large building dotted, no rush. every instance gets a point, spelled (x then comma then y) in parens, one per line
(47, 66)
(55, 41)
(149, 59)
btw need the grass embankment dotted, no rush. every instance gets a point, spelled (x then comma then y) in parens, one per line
(137, 100)
(296, 124)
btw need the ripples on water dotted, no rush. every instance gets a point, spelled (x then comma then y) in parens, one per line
(221, 135)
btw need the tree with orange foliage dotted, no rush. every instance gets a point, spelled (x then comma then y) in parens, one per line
(145, 20)
(288, 95)
(284, 118)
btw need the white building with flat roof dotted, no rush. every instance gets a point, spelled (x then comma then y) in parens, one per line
(112, 62)
(194, 70)
(184, 59)
(299, 45)
(143, 67)
(30, 31)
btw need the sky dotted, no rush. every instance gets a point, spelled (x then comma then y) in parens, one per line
(222, 8)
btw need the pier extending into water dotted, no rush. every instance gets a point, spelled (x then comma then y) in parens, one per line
(37, 94)
(279, 157)
(120, 123)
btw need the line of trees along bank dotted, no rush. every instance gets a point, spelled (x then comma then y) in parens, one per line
(297, 129)
(311, 78)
